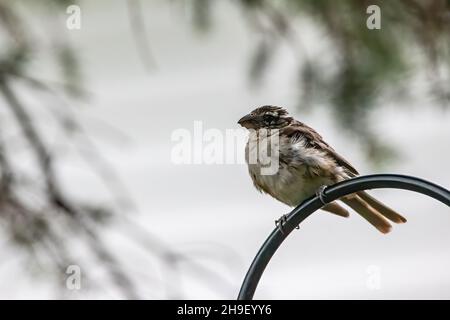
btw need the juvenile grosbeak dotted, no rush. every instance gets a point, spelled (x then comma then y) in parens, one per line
(306, 163)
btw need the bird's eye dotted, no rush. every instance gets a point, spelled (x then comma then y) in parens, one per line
(268, 118)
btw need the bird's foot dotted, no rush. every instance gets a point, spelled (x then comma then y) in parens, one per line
(281, 221)
(319, 193)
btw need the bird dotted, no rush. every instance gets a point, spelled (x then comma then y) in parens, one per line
(306, 164)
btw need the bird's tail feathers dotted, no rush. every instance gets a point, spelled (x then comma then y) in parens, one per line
(367, 212)
(335, 208)
(382, 208)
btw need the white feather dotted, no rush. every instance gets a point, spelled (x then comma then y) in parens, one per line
(293, 182)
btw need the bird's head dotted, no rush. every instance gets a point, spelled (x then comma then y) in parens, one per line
(266, 117)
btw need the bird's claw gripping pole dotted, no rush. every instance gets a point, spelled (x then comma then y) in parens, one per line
(320, 194)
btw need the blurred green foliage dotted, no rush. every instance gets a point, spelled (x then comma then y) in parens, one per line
(367, 65)
(39, 216)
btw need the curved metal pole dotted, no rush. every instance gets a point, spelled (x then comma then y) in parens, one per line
(331, 193)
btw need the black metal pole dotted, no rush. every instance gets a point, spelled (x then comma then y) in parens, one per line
(305, 209)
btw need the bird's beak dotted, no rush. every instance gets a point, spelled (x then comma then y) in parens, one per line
(247, 121)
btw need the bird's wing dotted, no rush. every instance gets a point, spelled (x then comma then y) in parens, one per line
(313, 139)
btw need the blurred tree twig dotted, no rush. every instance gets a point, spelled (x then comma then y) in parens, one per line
(135, 16)
(46, 225)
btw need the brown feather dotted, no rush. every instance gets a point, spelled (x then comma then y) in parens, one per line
(382, 208)
(299, 130)
(368, 213)
(335, 208)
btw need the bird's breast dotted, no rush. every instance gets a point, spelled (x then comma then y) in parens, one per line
(291, 183)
